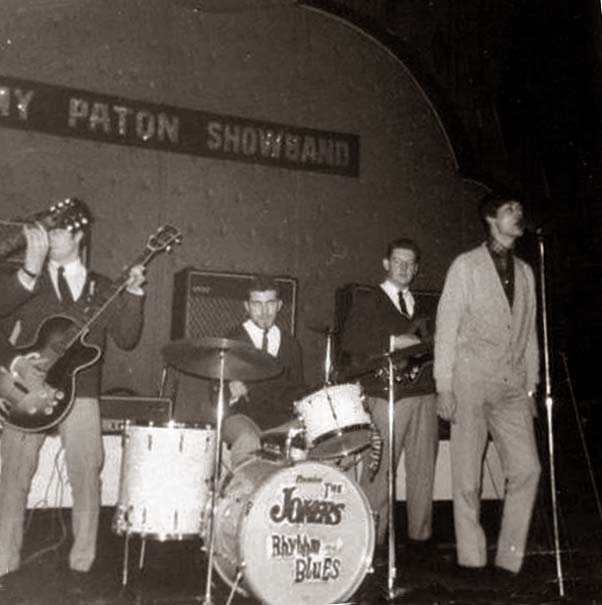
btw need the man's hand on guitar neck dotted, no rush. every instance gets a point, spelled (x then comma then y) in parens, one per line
(136, 280)
(401, 341)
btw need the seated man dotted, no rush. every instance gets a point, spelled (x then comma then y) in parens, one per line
(266, 404)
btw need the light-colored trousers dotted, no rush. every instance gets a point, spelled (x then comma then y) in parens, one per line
(506, 413)
(416, 433)
(81, 437)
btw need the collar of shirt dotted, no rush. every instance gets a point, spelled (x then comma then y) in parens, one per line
(256, 335)
(392, 291)
(498, 248)
(75, 274)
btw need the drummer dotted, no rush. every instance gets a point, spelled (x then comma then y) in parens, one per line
(258, 406)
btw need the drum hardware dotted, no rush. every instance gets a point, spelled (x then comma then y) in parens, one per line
(328, 332)
(219, 359)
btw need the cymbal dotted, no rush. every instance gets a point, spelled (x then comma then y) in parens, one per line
(375, 362)
(322, 329)
(202, 357)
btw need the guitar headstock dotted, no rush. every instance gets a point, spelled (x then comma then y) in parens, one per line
(70, 213)
(165, 238)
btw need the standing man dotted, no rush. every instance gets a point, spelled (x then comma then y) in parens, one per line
(383, 320)
(266, 404)
(52, 277)
(486, 370)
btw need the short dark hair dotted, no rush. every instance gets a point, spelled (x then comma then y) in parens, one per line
(489, 204)
(263, 283)
(406, 244)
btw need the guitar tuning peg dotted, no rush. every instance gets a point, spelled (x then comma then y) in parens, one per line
(59, 204)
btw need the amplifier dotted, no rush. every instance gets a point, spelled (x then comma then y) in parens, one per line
(115, 410)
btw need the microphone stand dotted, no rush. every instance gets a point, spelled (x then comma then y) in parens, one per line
(392, 569)
(549, 401)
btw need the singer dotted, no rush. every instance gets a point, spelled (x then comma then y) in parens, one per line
(486, 370)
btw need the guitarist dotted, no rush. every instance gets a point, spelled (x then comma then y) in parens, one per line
(386, 317)
(53, 277)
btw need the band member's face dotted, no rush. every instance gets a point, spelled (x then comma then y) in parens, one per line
(401, 267)
(263, 308)
(64, 245)
(508, 220)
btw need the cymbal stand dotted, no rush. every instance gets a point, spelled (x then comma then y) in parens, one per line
(216, 476)
(392, 569)
(162, 387)
(549, 405)
(328, 359)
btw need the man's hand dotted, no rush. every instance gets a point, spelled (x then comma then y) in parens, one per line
(401, 341)
(136, 280)
(31, 369)
(36, 238)
(238, 390)
(446, 406)
(4, 409)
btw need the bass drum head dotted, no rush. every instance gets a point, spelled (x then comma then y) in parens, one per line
(307, 536)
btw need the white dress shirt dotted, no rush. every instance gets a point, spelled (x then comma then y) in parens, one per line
(256, 335)
(392, 291)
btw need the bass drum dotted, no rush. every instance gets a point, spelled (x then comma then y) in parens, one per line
(301, 534)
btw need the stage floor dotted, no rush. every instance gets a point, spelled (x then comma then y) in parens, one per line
(175, 572)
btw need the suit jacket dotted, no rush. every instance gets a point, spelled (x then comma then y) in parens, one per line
(373, 318)
(478, 335)
(270, 402)
(29, 309)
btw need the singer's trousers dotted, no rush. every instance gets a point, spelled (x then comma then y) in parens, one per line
(506, 413)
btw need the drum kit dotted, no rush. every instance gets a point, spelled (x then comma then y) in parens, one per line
(274, 527)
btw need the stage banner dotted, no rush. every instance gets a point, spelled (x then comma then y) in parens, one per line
(71, 112)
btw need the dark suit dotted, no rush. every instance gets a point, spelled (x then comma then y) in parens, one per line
(80, 430)
(269, 403)
(372, 320)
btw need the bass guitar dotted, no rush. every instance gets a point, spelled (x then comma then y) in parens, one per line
(70, 213)
(38, 405)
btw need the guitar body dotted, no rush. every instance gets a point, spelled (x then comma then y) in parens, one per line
(40, 405)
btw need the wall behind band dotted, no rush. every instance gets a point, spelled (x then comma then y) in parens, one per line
(258, 60)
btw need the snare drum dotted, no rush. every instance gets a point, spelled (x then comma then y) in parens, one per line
(165, 480)
(336, 421)
(301, 534)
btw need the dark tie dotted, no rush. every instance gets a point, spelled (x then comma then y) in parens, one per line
(264, 341)
(402, 304)
(64, 289)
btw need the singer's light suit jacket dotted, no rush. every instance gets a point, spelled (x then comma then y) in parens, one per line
(478, 335)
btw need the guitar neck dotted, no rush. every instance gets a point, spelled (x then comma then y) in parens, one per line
(91, 308)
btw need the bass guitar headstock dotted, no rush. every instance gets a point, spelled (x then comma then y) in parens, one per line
(165, 238)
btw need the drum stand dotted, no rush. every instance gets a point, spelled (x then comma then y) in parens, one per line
(216, 475)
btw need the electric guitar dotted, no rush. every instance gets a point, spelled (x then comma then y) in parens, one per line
(69, 213)
(37, 405)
